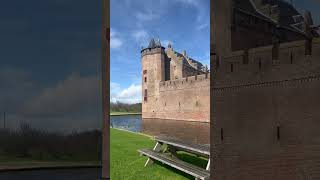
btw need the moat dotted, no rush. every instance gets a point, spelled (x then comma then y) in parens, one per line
(185, 130)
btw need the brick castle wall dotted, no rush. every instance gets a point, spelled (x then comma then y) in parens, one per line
(266, 114)
(185, 99)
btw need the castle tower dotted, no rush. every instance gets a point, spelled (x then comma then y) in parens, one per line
(153, 72)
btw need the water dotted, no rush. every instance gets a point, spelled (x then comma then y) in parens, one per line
(196, 132)
(193, 132)
(56, 174)
(127, 122)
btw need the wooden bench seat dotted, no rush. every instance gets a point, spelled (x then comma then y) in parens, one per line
(203, 150)
(197, 172)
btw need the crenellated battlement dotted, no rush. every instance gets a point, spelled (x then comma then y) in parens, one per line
(185, 83)
(150, 51)
(268, 63)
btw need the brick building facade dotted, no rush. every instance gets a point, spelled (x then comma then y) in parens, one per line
(266, 100)
(174, 86)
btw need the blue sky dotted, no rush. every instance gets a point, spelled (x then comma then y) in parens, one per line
(184, 23)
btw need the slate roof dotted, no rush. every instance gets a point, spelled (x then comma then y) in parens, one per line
(285, 17)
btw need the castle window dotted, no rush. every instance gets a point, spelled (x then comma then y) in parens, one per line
(179, 104)
(145, 79)
(145, 95)
(144, 71)
(217, 61)
(231, 67)
(245, 59)
(260, 64)
(291, 58)
(308, 47)
(275, 51)
(278, 133)
(221, 134)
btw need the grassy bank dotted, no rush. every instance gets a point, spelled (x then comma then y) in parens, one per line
(124, 113)
(127, 164)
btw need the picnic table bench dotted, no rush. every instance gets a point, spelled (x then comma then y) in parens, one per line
(174, 145)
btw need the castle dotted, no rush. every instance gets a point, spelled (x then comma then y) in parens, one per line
(265, 63)
(174, 86)
(264, 85)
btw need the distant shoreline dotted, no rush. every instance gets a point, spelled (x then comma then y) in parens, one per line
(124, 113)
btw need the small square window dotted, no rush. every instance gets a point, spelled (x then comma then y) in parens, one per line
(221, 134)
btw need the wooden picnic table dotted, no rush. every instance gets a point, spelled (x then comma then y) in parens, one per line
(174, 145)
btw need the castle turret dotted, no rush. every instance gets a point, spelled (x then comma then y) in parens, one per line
(153, 72)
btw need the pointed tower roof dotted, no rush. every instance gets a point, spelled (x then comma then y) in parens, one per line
(154, 43)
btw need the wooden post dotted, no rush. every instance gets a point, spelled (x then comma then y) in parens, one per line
(208, 165)
(156, 148)
(105, 89)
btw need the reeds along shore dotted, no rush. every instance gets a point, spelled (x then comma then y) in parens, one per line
(36, 144)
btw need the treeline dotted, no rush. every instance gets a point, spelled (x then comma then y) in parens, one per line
(123, 107)
(30, 143)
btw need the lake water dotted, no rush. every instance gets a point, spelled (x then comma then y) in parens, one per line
(56, 174)
(127, 122)
(196, 132)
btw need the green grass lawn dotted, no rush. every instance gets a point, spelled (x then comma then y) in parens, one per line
(126, 163)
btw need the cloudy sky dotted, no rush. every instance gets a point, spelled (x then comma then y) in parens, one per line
(311, 5)
(184, 23)
(49, 56)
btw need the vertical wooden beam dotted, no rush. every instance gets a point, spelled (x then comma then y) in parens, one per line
(212, 75)
(105, 88)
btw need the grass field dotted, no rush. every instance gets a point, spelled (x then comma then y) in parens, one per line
(126, 163)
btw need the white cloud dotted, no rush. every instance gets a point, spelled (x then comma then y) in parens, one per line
(141, 36)
(202, 26)
(190, 2)
(115, 41)
(130, 95)
(146, 16)
(165, 43)
(73, 95)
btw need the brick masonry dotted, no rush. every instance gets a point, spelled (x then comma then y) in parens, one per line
(265, 108)
(177, 91)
